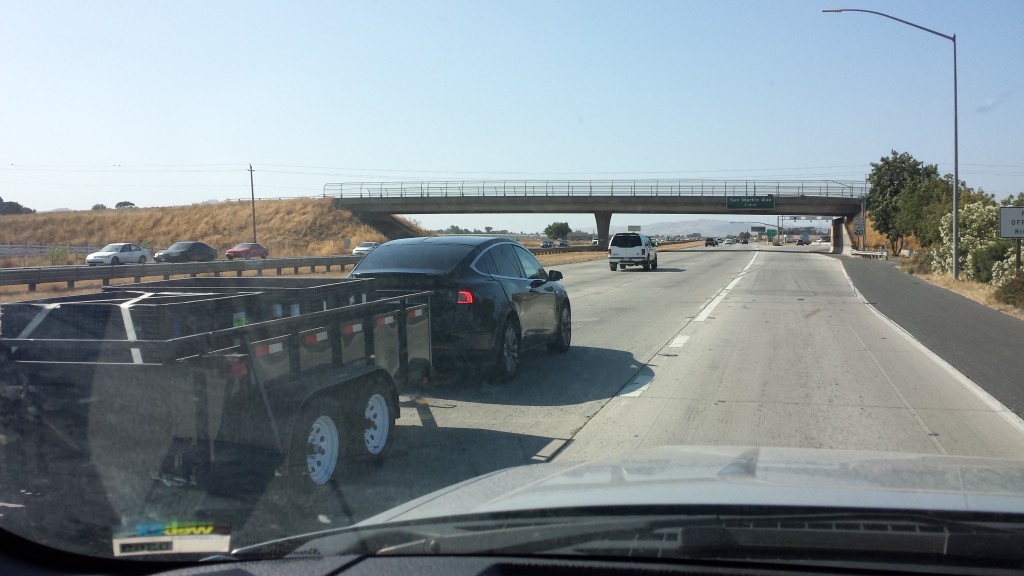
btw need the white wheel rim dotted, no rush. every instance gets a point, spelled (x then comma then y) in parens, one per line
(378, 424)
(322, 449)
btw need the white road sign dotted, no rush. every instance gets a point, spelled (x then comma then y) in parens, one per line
(1011, 222)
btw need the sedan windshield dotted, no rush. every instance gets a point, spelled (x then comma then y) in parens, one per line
(661, 279)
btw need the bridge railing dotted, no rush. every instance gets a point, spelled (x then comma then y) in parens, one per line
(478, 188)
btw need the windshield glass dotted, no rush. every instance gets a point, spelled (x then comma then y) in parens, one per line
(601, 278)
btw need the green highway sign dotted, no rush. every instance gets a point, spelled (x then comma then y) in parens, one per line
(758, 229)
(750, 202)
(770, 232)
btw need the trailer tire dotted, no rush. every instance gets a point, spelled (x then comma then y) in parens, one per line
(373, 421)
(318, 440)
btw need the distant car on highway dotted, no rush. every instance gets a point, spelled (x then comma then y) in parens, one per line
(710, 242)
(563, 243)
(247, 250)
(744, 241)
(364, 248)
(118, 253)
(491, 298)
(547, 244)
(187, 251)
(730, 241)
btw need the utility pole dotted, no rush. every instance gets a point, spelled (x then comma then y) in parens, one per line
(252, 191)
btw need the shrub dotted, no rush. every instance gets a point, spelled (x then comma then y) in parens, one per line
(920, 262)
(57, 255)
(1012, 290)
(983, 258)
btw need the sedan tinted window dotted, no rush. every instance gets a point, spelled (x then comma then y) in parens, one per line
(506, 261)
(427, 257)
(485, 263)
(531, 267)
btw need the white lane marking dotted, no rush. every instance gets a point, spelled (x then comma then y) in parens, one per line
(679, 342)
(636, 387)
(707, 310)
(964, 381)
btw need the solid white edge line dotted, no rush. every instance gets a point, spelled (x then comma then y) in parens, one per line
(964, 381)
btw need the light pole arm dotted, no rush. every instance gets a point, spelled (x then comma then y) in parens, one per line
(839, 10)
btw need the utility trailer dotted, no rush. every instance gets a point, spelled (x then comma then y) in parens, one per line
(219, 384)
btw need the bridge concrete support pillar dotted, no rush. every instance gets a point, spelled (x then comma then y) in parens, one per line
(838, 233)
(604, 223)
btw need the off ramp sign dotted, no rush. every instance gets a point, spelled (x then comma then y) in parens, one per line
(1011, 222)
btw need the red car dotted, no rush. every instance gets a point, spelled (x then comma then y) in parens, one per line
(247, 250)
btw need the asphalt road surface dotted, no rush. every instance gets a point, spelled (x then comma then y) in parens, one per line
(734, 345)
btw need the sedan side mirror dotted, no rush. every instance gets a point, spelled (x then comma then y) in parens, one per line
(554, 276)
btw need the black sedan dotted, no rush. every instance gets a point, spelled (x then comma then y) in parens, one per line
(491, 298)
(187, 252)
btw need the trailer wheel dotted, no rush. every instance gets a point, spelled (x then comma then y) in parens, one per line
(375, 426)
(317, 444)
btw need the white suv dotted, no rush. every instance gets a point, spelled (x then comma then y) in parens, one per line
(632, 249)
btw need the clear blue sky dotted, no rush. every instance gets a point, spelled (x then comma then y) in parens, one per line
(165, 103)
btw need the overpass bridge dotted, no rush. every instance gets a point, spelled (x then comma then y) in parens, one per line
(378, 201)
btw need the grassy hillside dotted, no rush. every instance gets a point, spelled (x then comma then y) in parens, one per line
(298, 227)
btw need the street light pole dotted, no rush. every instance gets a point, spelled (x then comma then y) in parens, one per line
(252, 191)
(956, 159)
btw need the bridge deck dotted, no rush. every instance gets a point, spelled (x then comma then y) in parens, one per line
(583, 188)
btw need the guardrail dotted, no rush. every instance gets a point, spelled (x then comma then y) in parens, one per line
(822, 188)
(33, 276)
(72, 274)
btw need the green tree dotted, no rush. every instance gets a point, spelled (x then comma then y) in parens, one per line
(888, 180)
(557, 230)
(124, 204)
(921, 208)
(99, 206)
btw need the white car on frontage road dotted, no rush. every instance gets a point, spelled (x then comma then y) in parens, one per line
(119, 253)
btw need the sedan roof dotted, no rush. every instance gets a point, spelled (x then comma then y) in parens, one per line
(458, 240)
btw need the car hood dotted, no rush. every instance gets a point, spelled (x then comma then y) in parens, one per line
(100, 254)
(728, 476)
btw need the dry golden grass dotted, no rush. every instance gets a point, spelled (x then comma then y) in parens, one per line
(298, 227)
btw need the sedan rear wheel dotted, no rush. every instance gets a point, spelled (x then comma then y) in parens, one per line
(507, 354)
(563, 336)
